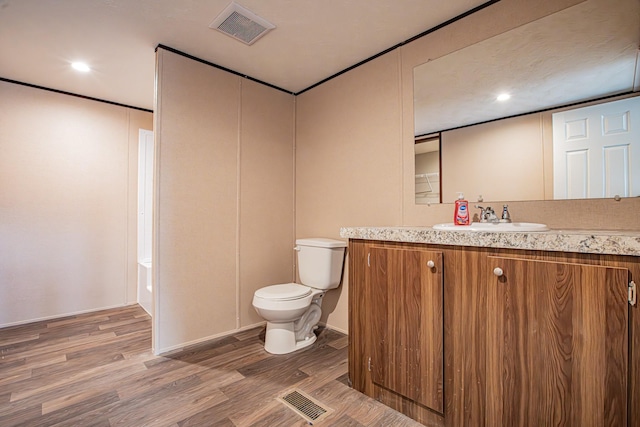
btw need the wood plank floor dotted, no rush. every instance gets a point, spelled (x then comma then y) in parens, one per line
(97, 369)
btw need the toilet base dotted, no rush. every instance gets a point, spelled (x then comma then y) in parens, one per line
(280, 338)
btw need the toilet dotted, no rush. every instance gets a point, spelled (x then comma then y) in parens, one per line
(292, 310)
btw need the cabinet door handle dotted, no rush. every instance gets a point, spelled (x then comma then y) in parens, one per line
(498, 271)
(431, 264)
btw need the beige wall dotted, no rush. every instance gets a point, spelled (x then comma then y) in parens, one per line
(428, 162)
(348, 160)
(266, 221)
(224, 199)
(67, 204)
(498, 160)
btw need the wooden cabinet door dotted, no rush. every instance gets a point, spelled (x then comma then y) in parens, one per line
(406, 323)
(557, 344)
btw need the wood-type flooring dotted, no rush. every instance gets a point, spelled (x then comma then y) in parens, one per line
(97, 369)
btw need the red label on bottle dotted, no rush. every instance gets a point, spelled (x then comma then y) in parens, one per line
(461, 216)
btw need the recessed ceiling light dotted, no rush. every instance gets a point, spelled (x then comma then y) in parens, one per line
(503, 97)
(81, 66)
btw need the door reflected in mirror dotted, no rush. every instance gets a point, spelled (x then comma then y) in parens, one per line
(596, 151)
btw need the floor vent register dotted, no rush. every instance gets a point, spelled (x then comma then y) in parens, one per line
(305, 406)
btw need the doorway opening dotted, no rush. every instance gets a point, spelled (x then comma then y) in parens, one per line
(145, 218)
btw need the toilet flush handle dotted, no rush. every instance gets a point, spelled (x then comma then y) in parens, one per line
(296, 248)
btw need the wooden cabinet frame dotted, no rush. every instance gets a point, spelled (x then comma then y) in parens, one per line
(466, 305)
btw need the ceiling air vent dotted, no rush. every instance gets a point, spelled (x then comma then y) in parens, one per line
(241, 24)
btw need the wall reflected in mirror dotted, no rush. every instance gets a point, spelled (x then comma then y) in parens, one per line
(427, 159)
(579, 152)
(585, 52)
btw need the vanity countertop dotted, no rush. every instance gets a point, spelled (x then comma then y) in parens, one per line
(580, 241)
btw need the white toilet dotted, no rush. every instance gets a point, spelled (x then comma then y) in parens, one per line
(292, 311)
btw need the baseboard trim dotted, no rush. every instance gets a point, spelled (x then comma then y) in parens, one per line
(333, 328)
(58, 316)
(184, 346)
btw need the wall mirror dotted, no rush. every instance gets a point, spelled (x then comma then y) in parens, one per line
(585, 52)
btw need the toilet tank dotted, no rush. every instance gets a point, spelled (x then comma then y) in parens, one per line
(320, 262)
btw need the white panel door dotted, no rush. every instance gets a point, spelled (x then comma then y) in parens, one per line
(596, 151)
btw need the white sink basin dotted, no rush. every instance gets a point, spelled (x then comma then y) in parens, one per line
(495, 227)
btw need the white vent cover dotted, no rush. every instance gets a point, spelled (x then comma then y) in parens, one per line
(241, 24)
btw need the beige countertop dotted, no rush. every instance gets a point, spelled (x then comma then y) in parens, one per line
(579, 241)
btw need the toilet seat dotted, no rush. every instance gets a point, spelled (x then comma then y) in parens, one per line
(283, 292)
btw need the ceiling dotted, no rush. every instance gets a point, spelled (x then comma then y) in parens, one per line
(313, 40)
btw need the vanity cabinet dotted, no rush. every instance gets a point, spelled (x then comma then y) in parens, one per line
(557, 343)
(399, 312)
(529, 338)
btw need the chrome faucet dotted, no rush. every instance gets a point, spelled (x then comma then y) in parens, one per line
(506, 217)
(487, 214)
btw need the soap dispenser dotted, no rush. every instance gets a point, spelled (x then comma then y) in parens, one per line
(461, 211)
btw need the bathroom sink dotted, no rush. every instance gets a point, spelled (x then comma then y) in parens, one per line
(496, 227)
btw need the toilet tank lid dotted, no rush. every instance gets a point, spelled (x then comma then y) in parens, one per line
(321, 242)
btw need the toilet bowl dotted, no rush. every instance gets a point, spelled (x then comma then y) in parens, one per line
(284, 308)
(293, 310)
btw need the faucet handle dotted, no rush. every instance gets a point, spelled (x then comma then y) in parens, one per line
(484, 212)
(506, 217)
